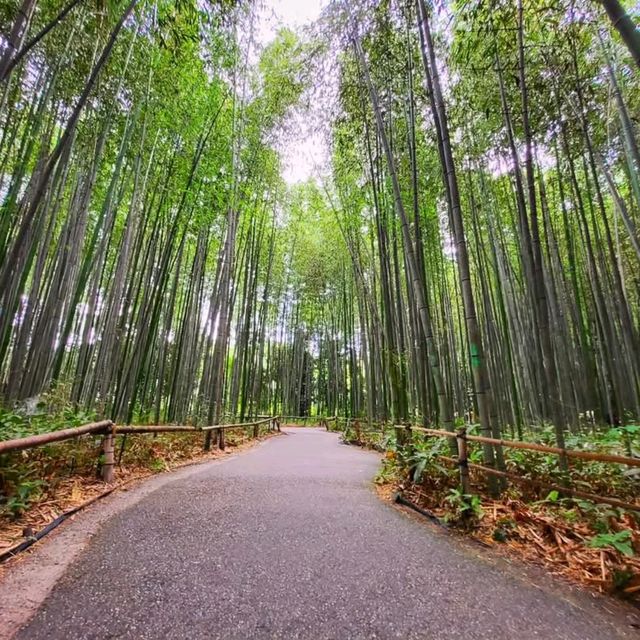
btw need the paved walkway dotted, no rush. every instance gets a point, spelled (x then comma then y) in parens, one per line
(287, 541)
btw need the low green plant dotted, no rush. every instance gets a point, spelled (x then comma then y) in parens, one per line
(26, 475)
(27, 491)
(504, 528)
(599, 515)
(571, 516)
(158, 465)
(621, 578)
(422, 457)
(553, 498)
(464, 506)
(387, 472)
(620, 541)
(21, 422)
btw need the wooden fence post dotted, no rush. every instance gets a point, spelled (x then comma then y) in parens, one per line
(463, 463)
(256, 430)
(207, 440)
(108, 455)
(221, 444)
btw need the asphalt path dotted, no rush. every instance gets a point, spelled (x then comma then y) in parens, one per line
(289, 540)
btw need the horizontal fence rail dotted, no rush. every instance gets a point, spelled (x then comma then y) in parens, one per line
(30, 442)
(151, 428)
(568, 491)
(530, 446)
(238, 425)
(109, 430)
(462, 438)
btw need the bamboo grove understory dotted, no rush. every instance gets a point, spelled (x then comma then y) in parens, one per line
(470, 252)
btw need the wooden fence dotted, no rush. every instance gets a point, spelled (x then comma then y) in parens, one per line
(109, 431)
(462, 439)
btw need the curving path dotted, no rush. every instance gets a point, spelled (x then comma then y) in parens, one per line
(287, 541)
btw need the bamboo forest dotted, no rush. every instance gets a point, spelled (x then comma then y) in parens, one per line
(410, 222)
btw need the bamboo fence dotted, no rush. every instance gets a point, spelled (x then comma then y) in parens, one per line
(462, 438)
(109, 431)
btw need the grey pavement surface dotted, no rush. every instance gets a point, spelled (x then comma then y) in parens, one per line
(289, 540)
